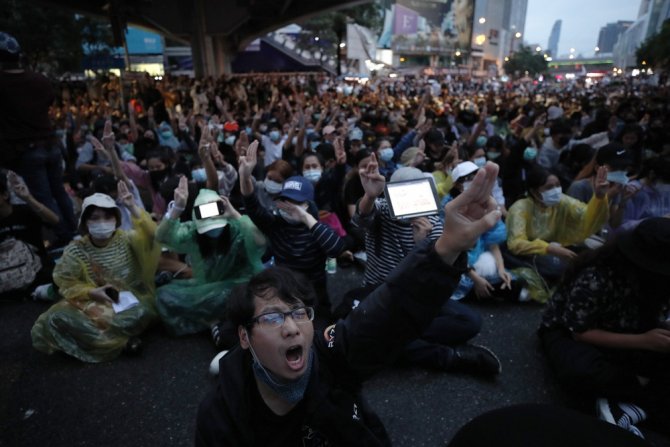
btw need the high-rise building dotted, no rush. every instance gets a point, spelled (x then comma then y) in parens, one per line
(610, 33)
(554, 37)
(650, 19)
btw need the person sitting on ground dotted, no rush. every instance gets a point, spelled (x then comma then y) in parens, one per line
(544, 227)
(297, 239)
(648, 197)
(26, 263)
(103, 270)
(287, 382)
(223, 251)
(443, 345)
(486, 268)
(605, 330)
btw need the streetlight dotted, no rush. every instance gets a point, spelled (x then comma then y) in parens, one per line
(316, 38)
(538, 48)
(457, 53)
(572, 50)
(482, 20)
(342, 45)
(480, 39)
(518, 35)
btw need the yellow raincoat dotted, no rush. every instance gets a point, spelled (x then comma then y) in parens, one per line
(530, 228)
(89, 330)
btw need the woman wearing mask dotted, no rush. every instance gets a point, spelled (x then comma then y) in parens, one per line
(544, 226)
(159, 169)
(223, 251)
(103, 270)
(268, 190)
(605, 330)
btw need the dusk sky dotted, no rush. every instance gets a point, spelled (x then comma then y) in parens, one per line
(582, 20)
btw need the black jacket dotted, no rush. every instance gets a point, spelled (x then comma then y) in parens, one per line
(367, 340)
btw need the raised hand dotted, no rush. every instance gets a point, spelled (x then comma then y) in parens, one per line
(248, 161)
(469, 215)
(373, 182)
(340, 153)
(601, 184)
(124, 195)
(181, 193)
(19, 187)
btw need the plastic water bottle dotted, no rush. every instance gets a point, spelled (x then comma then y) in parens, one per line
(331, 266)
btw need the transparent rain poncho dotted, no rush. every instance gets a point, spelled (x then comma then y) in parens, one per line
(191, 305)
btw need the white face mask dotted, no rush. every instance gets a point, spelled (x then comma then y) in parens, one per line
(287, 217)
(466, 185)
(313, 175)
(271, 186)
(552, 197)
(101, 230)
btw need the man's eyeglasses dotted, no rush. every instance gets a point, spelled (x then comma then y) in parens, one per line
(276, 319)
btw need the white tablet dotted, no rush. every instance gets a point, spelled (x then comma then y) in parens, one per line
(412, 198)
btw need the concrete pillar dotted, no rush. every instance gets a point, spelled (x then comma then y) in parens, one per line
(212, 55)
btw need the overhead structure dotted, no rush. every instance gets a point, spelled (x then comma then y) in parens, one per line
(215, 29)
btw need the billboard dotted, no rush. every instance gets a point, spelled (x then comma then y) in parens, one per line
(428, 26)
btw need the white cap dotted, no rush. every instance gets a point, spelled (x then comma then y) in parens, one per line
(463, 170)
(101, 201)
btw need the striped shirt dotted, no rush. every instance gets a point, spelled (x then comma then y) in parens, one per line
(387, 241)
(294, 245)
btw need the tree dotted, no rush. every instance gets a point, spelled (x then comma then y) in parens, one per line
(51, 38)
(525, 61)
(655, 51)
(331, 28)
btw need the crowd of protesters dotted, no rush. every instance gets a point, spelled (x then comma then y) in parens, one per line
(109, 179)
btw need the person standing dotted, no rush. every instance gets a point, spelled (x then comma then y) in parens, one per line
(28, 144)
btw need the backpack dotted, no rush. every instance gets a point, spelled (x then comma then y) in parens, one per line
(19, 265)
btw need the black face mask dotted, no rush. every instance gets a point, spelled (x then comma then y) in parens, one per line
(157, 177)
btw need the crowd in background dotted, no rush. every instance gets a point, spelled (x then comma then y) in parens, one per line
(113, 177)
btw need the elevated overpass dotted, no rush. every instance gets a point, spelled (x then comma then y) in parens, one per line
(215, 29)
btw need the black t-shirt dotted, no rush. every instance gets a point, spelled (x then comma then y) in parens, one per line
(23, 224)
(353, 191)
(25, 98)
(274, 430)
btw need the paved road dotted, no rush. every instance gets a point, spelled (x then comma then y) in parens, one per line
(151, 400)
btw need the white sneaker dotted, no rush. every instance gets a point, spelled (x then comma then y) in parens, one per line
(214, 364)
(41, 293)
(361, 256)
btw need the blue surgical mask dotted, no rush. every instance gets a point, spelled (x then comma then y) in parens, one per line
(166, 134)
(386, 154)
(479, 161)
(275, 135)
(248, 130)
(552, 197)
(229, 140)
(309, 131)
(314, 145)
(492, 155)
(619, 177)
(215, 233)
(199, 175)
(313, 175)
(263, 128)
(289, 391)
(529, 154)
(481, 141)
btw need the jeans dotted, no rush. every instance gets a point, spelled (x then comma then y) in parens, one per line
(454, 326)
(41, 167)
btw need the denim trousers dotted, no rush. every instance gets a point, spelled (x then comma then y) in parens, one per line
(41, 166)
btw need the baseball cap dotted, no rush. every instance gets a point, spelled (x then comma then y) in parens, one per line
(9, 47)
(298, 189)
(615, 155)
(554, 113)
(231, 126)
(328, 129)
(210, 223)
(356, 134)
(99, 200)
(463, 170)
